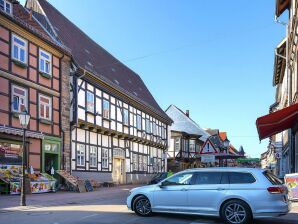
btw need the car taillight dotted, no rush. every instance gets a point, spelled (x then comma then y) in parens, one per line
(276, 190)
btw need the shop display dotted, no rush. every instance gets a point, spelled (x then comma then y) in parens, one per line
(291, 180)
(39, 183)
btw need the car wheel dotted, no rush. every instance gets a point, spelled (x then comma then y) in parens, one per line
(236, 212)
(142, 206)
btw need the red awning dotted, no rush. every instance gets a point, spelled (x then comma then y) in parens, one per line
(278, 121)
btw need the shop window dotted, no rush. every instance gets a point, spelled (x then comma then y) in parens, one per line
(93, 156)
(8, 150)
(80, 155)
(134, 162)
(19, 99)
(106, 109)
(6, 6)
(19, 49)
(105, 158)
(139, 122)
(45, 107)
(125, 116)
(90, 102)
(45, 62)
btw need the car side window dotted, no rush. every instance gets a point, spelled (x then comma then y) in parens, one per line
(241, 178)
(180, 179)
(210, 178)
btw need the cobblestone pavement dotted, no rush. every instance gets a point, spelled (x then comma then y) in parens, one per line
(106, 205)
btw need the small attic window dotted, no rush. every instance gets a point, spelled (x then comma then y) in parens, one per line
(6, 6)
(116, 81)
(135, 93)
(129, 81)
(113, 69)
(88, 52)
(56, 28)
(89, 63)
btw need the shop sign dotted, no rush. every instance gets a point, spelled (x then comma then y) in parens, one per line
(10, 150)
(208, 158)
(291, 180)
(51, 147)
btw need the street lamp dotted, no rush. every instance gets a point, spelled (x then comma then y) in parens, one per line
(24, 118)
(226, 144)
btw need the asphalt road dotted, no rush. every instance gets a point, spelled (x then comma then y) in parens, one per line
(106, 206)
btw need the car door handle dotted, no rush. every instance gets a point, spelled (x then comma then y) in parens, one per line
(221, 189)
(183, 189)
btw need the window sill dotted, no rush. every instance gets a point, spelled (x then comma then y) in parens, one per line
(89, 112)
(44, 121)
(45, 75)
(19, 63)
(106, 119)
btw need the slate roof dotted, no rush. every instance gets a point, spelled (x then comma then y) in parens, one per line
(93, 58)
(21, 16)
(182, 123)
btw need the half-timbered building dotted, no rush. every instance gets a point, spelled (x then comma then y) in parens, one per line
(187, 139)
(119, 132)
(33, 68)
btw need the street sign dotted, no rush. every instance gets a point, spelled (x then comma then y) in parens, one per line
(208, 158)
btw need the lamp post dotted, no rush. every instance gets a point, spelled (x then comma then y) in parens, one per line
(226, 144)
(24, 118)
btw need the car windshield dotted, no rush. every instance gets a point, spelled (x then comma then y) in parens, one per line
(272, 178)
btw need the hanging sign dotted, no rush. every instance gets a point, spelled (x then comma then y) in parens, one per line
(208, 158)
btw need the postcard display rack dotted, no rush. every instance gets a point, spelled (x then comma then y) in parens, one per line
(10, 177)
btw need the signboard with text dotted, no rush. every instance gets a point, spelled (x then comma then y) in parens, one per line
(208, 158)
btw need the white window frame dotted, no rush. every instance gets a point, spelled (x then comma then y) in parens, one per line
(81, 155)
(46, 60)
(139, 122)
(105, 157)
(49, 105)
(93, 156)
(19, 48)
(105, 111)
(148, 126)
(135, 162)
(5, 4)
(87, 106)
(20, 96)
(125, 117)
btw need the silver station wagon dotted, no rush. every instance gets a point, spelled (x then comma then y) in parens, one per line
(237, 195)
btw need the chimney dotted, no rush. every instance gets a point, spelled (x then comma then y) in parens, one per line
(187, 113)
(30, 13)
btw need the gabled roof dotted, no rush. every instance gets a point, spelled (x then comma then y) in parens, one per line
(183, 123)
(93, 58)
(21, 16)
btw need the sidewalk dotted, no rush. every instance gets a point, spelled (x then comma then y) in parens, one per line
(11, 202)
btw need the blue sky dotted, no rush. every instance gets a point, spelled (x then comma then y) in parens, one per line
(214, 59)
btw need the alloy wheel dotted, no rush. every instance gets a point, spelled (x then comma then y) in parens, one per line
(143, 206)
(235, 213)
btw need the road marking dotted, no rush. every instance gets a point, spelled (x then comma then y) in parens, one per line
(88, 216)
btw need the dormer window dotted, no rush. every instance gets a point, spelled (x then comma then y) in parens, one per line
(6, 6)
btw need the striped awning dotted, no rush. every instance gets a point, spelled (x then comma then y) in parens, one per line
(19, 132)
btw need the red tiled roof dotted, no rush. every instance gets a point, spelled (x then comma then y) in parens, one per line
(223, 135)
(92, 57)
